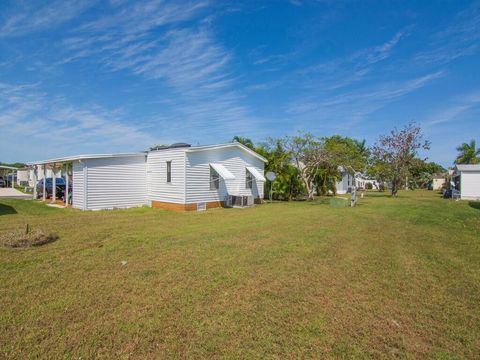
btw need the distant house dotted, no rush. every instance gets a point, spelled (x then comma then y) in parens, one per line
(175, 177)
(23, 177)
(351, 178)
(438, 182)
(347, 181)
(466, 179)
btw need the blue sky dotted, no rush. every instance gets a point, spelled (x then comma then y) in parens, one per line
(106, 76)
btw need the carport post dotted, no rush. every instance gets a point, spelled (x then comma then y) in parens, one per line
(44, 195)
(35, 183)
(54, 183)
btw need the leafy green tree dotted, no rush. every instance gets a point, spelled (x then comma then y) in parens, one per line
(421, 173)
(244, 141)
(468, 153)
(287, 185)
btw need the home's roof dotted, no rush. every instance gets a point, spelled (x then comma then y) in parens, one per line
(467, 167)
(227, 145)
(84, 157)
(117, 155)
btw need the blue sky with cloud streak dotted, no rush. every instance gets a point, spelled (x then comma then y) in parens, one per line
(102, 76)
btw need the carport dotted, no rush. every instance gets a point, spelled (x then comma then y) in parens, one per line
(40, 169)
(6, 171)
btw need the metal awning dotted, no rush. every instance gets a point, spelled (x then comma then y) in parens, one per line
(256, 174)
(222, 171)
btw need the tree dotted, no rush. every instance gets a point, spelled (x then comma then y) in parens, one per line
(341, 151)
(422, 172)
(287, 185)
(244, 141)
(307, 153)
(346, 152)
(396, 153)
(468, 153)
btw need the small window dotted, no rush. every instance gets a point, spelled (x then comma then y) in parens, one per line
(214, 179)
(169, 171)
(248, 180)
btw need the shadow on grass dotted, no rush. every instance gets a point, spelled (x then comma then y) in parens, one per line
(7, 210)
(474, 204)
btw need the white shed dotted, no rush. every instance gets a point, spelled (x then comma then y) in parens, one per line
(467, 180)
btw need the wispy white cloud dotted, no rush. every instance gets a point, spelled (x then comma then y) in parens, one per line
(185, 57)
(36, 16)
(453, 109)
(54, 127)
(346, 71)
(355, 106)
(461, 38)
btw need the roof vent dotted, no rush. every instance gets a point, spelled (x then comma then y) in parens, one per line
(180, 145)
(164, 147)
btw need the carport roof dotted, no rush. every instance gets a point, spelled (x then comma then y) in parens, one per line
(84, 157)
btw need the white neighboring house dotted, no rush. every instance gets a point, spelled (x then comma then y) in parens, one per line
(351, 178)
(467, 181)
(176, 177)
(348, 181)
(438, 182)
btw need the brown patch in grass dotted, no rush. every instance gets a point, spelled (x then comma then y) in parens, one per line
(26, 238)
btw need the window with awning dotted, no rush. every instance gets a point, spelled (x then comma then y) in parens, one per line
(223, 171)
(218, 171)
(256, 174)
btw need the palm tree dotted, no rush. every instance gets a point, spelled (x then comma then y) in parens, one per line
(468, 153)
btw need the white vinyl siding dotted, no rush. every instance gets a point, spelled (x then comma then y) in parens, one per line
(115, 182)
(470, 185)
(78, 184)
(158, 187)
(234, 160)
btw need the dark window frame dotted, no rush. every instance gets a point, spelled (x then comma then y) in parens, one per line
(248, 179)
(169, 171)
(214, 179)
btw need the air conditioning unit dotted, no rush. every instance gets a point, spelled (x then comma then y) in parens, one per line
(239, 201)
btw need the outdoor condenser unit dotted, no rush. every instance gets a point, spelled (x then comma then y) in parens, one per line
(239, 201)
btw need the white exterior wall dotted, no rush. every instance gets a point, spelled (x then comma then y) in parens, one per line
(115, 182)
(235, 160)
(438, 183)
(470, 185)
(23, 176)
(342, 185)
(157, 187)
(78, 184)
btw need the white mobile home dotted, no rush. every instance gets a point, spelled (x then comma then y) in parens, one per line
(467, 181)
(177, 177)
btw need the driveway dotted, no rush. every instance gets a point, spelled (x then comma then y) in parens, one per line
(9, 193)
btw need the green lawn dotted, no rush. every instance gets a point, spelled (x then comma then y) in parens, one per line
(389, 278)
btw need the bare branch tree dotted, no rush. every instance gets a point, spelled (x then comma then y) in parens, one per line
(307, 153)
(397, 151)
